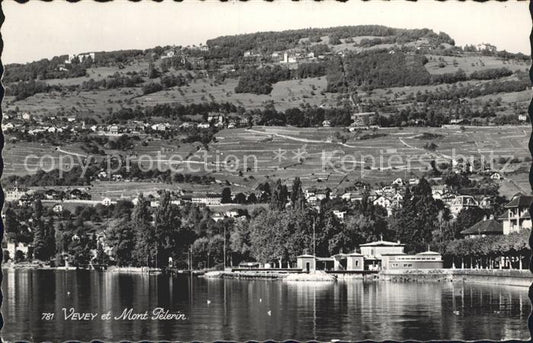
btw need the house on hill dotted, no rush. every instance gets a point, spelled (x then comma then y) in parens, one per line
(57, 208)
(398, 182)
(389, 202)
(352, 196)
(209, 199)
(496, 176)
(462, 202)
(483, 228)
(517, 216)
(363, 118)
(13, 194)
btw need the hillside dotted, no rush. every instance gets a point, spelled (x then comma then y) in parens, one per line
(293, 81)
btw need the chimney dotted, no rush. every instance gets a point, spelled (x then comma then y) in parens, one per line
(491, 217)
(484, 218)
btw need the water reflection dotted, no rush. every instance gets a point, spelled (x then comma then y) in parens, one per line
(260, 310)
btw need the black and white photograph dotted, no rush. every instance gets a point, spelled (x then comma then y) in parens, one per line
(233, 171)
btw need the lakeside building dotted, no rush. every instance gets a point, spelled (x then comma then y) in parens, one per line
(339, 262)
(423, 260)
(374, 256)
(11, 247)
(517, 216)
(13, 194)
(381, 247)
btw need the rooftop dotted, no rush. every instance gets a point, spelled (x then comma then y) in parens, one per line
(382, 243)
(489, 226)
(520, 200)
(429, 253)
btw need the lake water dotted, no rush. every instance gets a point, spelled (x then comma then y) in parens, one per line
(259, 310)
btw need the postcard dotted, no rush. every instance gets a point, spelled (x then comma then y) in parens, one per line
(256, 171)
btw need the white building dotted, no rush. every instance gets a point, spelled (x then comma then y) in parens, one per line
(398, 182)
(12, 248)
(207, 199)
(378, 248)
(517, 216)
(496, 176)
(13, 194)
(339, 214)
(58, 208)
(389, 202)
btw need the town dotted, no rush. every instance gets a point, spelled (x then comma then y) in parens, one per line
(280, 150)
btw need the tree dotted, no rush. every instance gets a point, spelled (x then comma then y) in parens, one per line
(120, 235)
(11, 222)
(297, 195)
(226, 195)
(279, 196)
(144, 252)
(240, 198)
(252, 198)
(467, 218)
(172, 239)
(240, 243)
(280, 235)
(152, 71)
(50, 238)
(79, 249)
(39, 235)
(415, 222)
(267, 235)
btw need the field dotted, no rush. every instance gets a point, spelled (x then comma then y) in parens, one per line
(471, 63)
(284, 95)
(319, 158)
(322, 157)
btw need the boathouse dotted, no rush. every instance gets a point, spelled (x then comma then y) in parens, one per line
(340, 262)
(348, 262)
(306, 262)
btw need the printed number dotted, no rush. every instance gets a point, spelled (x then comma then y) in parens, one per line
(47, 316)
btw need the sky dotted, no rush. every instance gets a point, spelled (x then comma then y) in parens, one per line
(37, 29)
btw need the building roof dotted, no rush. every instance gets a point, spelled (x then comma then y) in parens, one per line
(429, 253)
(382, 243)
(489, 226)
(348, 254)
(465, 200)
(520, 200)
(393, 254)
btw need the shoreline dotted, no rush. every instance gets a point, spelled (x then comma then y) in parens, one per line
(511, 277)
